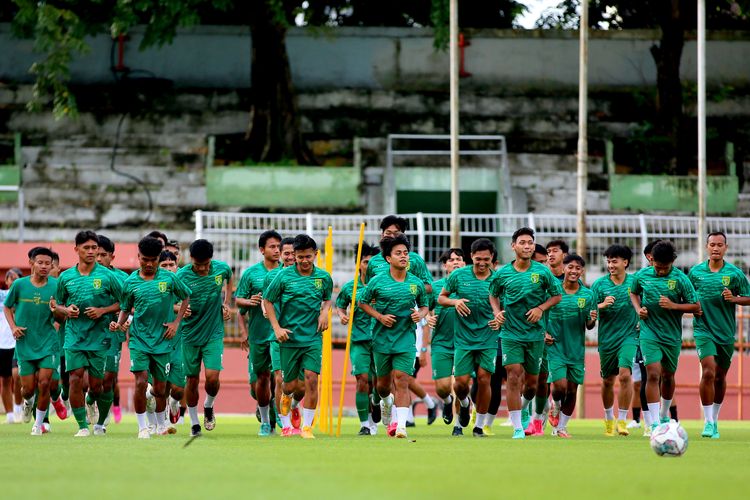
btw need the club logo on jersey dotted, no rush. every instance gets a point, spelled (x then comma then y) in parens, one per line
(37, 300)
(535, 277)
(581, 303)
(318, 283)
(219, 280)
(413, 289)
(671, 284)
(97, 283)
(725, 280)
(162, 286)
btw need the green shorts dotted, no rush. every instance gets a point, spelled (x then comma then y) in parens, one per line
(466, 362)
(156, 364)
(386, 363)
(523, 352)
(722, 353)
(211, 354)
(31, 366)
(275, 356)
(544, 367)
(296, 360)
(114, 354)
(656, 352)
(176, 375)
(559, 369)
(442, 364)
(91, 361)
(259, 360)
(623, 357)
(361, 357)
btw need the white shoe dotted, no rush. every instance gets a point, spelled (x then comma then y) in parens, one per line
(151, 429)
(99, 430)
(174, 406)
(161, 430)
(18, 417)
(647, 431)
(386, 412)
(150, 400)
(83, 433)
(36, 431)
(401, 432)
(92, 413)
(46, 427)
(554, 431)
(373, 429)
(633, 425)
(10, 418)
(27, 408)
(68, 408)
(144, 433)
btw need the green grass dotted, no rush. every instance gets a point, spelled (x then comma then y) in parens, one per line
(231, 460)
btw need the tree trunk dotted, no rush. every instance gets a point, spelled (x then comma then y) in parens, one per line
(274, 129)
(667, 56)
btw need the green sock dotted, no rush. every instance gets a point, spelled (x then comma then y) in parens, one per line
(65, 390)
(362, 401)
(80, 415)
(89, 400)
(46, 415)
(56, 393)
(103, 404)
(375, 396)
(539, 403)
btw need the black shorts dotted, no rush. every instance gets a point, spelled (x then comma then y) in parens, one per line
(7, 362)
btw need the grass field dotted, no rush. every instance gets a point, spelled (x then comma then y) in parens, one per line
(232, 461)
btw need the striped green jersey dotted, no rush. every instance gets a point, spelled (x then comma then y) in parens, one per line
(31, 305)
(206, 321)
(417, 267)
(362, 327)
(619, 321)
(251, 283)
(567, 325)
(444, 332)
(473, 331)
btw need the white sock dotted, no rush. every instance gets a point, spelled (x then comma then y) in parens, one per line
(264, 418)
(142, 423)
(558, 405)
(209, 403)
(410, 416)
(664, 411)
(402, 412)
(489, 420)
(286, 421)
(717, 407)
(654, 409)
(369, 423)
(160, 421)
(708, 413)
(295, 403)
(525, 403)
(308, 416)
(515, 418)
(448, 400)
(429, 402)
(40, 417)
(647, 417)
(193, 412)
(17, 408)
(622, 415)
(481, 419)
(609, 413)
(151, 417)
(464, 402)
(563, 424)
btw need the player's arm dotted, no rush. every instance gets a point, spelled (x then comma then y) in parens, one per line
(343, 302)
(244, 334)
(172, 326)
(325, 308)
(690, 307)
(18, 331)
(742, 297)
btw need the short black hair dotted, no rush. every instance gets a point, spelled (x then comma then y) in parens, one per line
(524, 231)
(387, 244)
(173, 243)
(159, 235)
(84, 236)
(304, 242)
(37, 251)
(150, 246)
(287, 241)
(201, 250)
(717, 233)
(558, 243)
(267, 235)
(540, 249)
(394, 220)
(483, 244)
(620, 251)
(106, 244)
(55, 256)
(664, 252)
(30, 252)
(445, 256)
(367, 251)
(649, 247)
(167, 255)
(574, 258)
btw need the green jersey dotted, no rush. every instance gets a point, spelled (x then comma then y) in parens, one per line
(31, 305)
(251, 283)
(100, 288)
(417, 267)
(473, 331)
(153, 304)
(300, 299)
(398, 298)
(662, 325)
(121, 275)
(362, 327)
(443, 334)
(718, 321)
(206, 321)
(619, 321)
(567, 325)
(520, 292)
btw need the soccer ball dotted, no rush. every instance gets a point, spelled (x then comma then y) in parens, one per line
(669, 440)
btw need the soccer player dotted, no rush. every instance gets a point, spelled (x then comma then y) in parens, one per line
(557, 250)
(540, 254)
(661, 294)
(566, 326)
(520, 293)
(87, 295)
(151, 292)
(721, 287)
(397, 300)
(360, 353)
(303, 293)
(257, 333)
(475, 331)
(31, 320)
(390, 227)
(203, 330)
(618, 336)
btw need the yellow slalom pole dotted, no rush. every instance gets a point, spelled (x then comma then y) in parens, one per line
(329, 336)
(352, 311)
(318, 413)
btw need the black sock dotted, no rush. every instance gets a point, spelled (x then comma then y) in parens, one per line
(673, 413)
(637, 414)
(182, 411)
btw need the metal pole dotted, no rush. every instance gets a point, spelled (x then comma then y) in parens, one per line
(455, 208)
(701, 127)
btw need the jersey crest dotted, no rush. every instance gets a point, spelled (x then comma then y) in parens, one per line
(725, 280)
(219, 280)
(535, 277)
(318, 283)
(581, 302)
(413, 289)
(162, 286)
(97, 283)
(672, 284)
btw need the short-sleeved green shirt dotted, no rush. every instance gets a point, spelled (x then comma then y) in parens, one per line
(417, 267)
(567, 324)
(121, 275)
(399, 298)
(153, 304)
(31, 305)
(206, 321)
(100, 288)
(662, 325)
(300, 298)
(362, 327)
(251, 283)
(718, 321)
(473, 331)
(618, 322)
(521, 291)
(443, 335)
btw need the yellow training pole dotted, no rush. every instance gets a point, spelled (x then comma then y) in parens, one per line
(317, 410)
(329, 344)
(352, 310)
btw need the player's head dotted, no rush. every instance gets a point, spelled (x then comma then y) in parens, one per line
(483, 252)
(305, 251)
(287, 252)
(12, 275)
(393, 224)
(556, 252)
(87, 246)
(55, 271)
(452, 259)
(648, 249)
(168, 261)
(160, 236)
(574, 266)
(540, 254)
(201, 253)
(396, 251)
(40, 261)
(716, 245)
(149, 249)
(106, 252)
(663, 256)
(269, 244)
(367, 253)
(618, 258)
(522, 242)
(173, 246)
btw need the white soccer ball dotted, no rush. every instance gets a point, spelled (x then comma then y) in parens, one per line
(669, 439)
